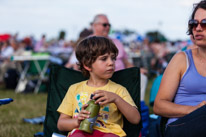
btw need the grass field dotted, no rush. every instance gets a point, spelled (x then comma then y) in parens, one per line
(23, 106)
(28, 106)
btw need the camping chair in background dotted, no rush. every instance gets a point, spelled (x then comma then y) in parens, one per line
(33, 72)
(60, 80)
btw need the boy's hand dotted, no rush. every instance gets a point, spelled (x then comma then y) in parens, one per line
(104, 97)
(83, 114)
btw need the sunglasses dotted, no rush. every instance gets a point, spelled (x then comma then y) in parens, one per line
(194, 23)
(105, 24)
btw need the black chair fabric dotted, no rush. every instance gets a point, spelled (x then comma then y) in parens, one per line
(60, 80)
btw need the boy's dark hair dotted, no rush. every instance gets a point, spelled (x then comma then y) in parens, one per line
(92, 47)
(200, 5)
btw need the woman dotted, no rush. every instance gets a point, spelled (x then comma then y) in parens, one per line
(182, 93)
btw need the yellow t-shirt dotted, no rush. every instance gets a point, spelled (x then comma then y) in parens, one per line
(110, 119)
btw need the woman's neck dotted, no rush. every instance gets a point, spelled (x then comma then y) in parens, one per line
(201, 53)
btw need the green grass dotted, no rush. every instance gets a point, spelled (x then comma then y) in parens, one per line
(23, 106)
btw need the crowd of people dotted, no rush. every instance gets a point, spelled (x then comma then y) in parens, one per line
(177, 95)
(151, 56)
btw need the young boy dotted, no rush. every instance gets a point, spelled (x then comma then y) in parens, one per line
(96, 56)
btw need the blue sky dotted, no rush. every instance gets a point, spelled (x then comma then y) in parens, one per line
(37, 17)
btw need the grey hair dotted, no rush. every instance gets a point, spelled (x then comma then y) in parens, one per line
(96, 18)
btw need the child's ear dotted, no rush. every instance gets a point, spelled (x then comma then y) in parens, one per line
(87, 68)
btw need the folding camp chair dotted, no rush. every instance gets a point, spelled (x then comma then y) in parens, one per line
(34, 65)
(60, 80)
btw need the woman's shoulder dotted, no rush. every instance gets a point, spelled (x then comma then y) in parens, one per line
(178, 63)
(179, 57)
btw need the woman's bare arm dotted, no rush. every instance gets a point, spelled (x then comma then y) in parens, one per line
(163, 104)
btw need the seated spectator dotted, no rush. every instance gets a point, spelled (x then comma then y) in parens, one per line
(72, 62)
(41, 45)
(182, 93)
(6, 52)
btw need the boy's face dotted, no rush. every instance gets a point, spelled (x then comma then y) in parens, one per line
(104, 66)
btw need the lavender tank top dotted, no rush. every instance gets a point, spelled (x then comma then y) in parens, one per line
(192, 87)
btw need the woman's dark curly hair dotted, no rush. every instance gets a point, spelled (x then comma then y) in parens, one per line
(202, 5)
(92, 47)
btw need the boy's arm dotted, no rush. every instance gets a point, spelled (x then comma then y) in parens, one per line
(130, 112)
(67, 123)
